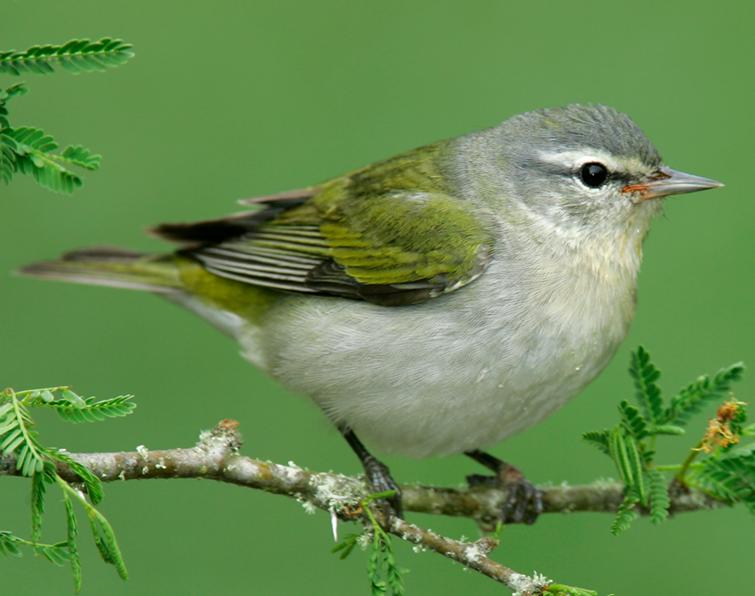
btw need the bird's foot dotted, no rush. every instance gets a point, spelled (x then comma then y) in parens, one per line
(524, 501)
(379, 480)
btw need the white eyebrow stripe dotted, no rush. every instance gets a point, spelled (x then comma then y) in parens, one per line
(574, 158)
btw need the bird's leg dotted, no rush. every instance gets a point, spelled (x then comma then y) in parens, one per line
(524, 502)
(378, 475)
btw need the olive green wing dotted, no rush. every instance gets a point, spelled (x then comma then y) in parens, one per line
(390, 234)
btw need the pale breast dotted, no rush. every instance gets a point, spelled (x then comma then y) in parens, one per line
(459, 372)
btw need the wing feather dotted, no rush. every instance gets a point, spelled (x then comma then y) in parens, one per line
(261, 281)
(392, 233)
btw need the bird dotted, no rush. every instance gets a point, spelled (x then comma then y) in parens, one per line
(436, 302)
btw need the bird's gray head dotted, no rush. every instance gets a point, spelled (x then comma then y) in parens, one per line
(585, 168)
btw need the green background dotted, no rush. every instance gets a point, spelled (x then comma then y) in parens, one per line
(223, 102)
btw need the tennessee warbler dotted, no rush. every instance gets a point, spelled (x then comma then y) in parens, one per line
(435, 302)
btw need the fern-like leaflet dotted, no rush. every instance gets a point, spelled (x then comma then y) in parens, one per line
(19, 440)
(17, 436)
(28, 150)
(626, 513)
(729, 478)
(10, 545)
(645, 376)
(630, 444)
(633, 421)
(659, 499)
(94, 410)
(691, 399)
(598, 438)
(77, 56)
(382, 569)
(35, 154)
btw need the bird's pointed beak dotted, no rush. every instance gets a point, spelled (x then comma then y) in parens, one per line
(671, 182)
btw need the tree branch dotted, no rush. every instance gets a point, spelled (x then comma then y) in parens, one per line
(216, 457)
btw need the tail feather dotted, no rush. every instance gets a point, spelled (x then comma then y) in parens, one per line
(113, 267)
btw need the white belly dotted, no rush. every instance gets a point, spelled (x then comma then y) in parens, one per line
(459, 372)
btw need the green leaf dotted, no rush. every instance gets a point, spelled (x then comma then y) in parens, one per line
(46, 172)
(346, 546)
(638, 471)
(72, 398)
(374, 569)
(659, 499)
(393, 573)
(597, 438)
(623, 450)
(47, 396)
(33, 153)
(81, 156)
(730, 478)
(76, 56)
(668, 429)
(13, 91)
(104, 539)
(11, 440)
(648, 394)
(39, 482)
(617, 449)
(5, 96)
(31, 140)
(102, 532)
(9, 544)
(626, 514)
(90, 480)
(38, 462)
(72, 534)
(697, 394)
(633, 421)
(382, 570)
(92, 410)
(74, 408)
(34, 156)
(28, 150)
(55, 553)
(7, 158)
(17, 436)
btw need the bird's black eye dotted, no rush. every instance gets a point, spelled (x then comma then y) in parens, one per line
(593, 174)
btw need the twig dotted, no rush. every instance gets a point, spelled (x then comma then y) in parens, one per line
(216, 457)
(473, 555)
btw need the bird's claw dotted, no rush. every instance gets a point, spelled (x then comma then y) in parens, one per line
(379, 480)
(524, 501)
(523, 504)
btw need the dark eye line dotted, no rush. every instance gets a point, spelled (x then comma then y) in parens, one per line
(623, 177)
(617, 175)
